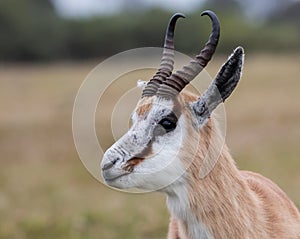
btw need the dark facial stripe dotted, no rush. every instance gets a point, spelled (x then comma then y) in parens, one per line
(148, 150)
(137, 159)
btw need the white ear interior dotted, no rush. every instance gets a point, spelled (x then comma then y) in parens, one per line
(141, 84)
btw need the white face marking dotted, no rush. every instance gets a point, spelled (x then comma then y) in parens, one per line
(161, 167)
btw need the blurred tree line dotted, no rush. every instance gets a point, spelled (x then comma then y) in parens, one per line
(32, 30)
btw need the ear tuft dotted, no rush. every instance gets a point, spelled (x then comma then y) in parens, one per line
(141, 84)
(238, 51)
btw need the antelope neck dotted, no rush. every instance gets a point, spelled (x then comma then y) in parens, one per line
(211, 207)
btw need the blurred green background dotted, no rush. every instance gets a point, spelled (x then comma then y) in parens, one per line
(46, 51)
(35, 30)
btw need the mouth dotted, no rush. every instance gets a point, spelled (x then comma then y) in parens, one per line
(110, 175)
(111, 179)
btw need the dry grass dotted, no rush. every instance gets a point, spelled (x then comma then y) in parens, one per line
(45, 192)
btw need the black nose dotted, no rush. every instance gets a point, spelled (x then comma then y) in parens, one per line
(109, 164)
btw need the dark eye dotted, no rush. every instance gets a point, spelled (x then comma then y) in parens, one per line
(168, 124)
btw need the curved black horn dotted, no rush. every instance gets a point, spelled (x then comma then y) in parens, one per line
(177, 81)
(167, 60)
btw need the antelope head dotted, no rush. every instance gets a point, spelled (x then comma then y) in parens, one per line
(170, 127)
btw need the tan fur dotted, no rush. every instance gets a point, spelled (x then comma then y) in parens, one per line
(144, 106)
(232, 204)
(173, 229)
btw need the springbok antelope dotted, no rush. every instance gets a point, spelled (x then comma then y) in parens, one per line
(174, 145)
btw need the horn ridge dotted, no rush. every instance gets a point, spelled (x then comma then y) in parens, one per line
(191, 70)
(167, 60)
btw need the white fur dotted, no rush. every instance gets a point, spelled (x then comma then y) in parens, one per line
(177, 202)
(163, 167)
(141, 84)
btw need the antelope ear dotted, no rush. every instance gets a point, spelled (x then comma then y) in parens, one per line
(221, 87)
